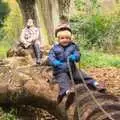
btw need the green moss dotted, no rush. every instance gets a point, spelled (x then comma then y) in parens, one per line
(11, 28)
(8, 115)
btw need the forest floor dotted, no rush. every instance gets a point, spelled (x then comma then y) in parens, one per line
(110, 76)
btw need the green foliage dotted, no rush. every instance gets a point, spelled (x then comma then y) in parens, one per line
(4, 11)
(80, 4)
(90, 30)
(4, 46)
(11, 28)
(10, 115)
(96, 30)
(99, 59)
(83, 5)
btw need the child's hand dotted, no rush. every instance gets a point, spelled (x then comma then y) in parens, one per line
(60, 65)
(57, 63)
(72, 58)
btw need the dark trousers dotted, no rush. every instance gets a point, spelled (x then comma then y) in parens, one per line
(64, 82)
(35, 47)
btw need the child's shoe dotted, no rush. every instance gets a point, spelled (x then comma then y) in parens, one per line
(38, 61)
(70, 99)
(59, 99)
(100, 87)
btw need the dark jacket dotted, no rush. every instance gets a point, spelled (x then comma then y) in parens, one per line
(60, 53)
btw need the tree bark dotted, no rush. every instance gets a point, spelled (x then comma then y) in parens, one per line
(24, 84)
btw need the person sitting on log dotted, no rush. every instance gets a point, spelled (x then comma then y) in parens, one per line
(30, 36)
(57, 58)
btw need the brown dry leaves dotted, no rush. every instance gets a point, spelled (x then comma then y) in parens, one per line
(110, 76)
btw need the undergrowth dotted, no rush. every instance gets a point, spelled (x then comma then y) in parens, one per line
(12, 23)
(99, 59)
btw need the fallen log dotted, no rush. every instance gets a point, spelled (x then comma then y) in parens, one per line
(24, 84)
(89, 110)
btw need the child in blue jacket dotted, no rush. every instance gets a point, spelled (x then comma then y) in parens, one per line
(58, 55)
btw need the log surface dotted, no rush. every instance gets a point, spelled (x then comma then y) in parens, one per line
(23, 83)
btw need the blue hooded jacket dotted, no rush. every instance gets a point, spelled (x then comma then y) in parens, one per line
(58, 56)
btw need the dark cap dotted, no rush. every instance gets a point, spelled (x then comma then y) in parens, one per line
(62, 29)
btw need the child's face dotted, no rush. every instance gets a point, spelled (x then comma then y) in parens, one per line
(64, 40)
